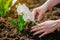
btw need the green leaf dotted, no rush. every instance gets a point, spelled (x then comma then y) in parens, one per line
(20, 19)
(13, 22)
(0, 1)
(7, 4)
(1, 4)
(23, 26)
(21, 22)
(1, 7)
(4, 5)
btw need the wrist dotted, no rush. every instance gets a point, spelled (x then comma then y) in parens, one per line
(45, 6)
(51, 3)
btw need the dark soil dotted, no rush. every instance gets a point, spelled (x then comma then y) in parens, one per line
(9, 32)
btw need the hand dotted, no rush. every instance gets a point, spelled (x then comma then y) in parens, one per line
(39, 11)
(45, 28)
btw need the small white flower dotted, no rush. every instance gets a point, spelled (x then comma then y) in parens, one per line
(27, 14)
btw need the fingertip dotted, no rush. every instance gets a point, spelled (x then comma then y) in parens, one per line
(31, 31)
(39, 18)
(43, 34)
(34, 34)
(33, 27)
(39, 36)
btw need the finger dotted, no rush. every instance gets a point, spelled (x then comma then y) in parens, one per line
(40, 15)
(36, 29)
(38, 25)
(35, 13)
(43, 34)
(38, 32)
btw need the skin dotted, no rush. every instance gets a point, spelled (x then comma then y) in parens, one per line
(47, 26)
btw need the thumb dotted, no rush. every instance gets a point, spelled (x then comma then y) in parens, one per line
(40, 16)
(34, 12)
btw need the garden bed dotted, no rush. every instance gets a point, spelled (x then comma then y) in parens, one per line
(9, 32)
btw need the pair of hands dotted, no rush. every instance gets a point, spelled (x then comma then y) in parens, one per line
(45, 27)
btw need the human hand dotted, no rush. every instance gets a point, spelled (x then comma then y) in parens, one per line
(44, 28)
(39, 11)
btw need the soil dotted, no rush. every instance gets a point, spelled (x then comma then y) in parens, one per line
(9, 32)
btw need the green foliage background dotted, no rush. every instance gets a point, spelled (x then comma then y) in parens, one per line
(4, 6)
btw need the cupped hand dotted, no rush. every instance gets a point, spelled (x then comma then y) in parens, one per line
(39, 11)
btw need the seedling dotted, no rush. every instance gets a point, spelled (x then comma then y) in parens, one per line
(24, 16)
(21, 23)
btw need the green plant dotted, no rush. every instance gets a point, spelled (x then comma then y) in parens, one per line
(4, 5)
(21, 23)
